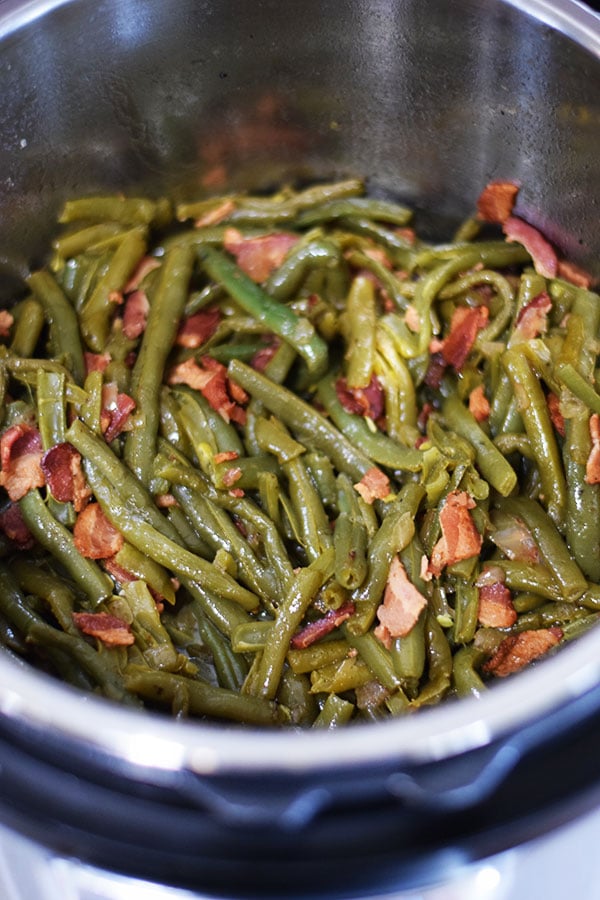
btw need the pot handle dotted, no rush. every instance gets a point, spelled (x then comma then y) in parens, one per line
(466, 781)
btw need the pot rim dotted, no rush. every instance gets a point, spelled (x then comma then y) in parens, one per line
(152, 741)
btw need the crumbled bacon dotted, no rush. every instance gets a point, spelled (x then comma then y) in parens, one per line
(532, 319)
(217, 214)
(230, 477)
(94, 536)
(62, 469)
(20, 458)
(146, 265)
(96, 362)
(197, 329)
(460, 538)
(402, 605)
(517, 650)
(263, 357)
(316, 630)
(259, 256)
(541, 251)
(116, 411)
(573, 273)
(368, 401)
(496, 201)
(13, 526)
(466, 323)
(135, 314)
(213, 383)
(479, 405)
(111, 630)
(592, 467)
(225, 456)
(6, 322)
(435, 371)
(496, 608)
(374, 485)
(556, 416)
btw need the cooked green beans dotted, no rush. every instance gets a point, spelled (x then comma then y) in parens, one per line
(280, 461)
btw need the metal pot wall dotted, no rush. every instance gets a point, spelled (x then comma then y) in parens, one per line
(428, 101)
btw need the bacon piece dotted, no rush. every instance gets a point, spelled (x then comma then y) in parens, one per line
(368, 401)
(316, 630)
(460, 538)
(575, 274)
(374, 485)
(541, 251)
(20, 458)
(111, 630)
(94, 536)
(6, 322)
(213, 383)
(479, 404)
(13, 525)
(263, 357)
(259, 256)
(435, 371)
(225, 456)
(402, 605)
(64, 476)
(197, 329)
(146, 265)
(216, 215)
(135, 314)
(556, 416)
(116, 410)
(496, 201)
(466, 322)
(96, 362)
(532, 319)
(592, 466)
(517, 650)
(230, 477)
(496, 608)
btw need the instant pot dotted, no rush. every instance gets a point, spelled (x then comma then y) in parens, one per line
(428, 100)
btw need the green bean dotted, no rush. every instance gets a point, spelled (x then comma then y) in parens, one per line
(582, 520)
(287, 279)
(395, 533)
(276, 317)
(563, 567)
(126, 210)
(231, 668)
(134, 527)
(375, 444)
(146, 380)
(335, 712)
(493, 466)
(29, 322)
(536, 418)
(315, 656)
(203, 699)
(98, 309)
(58, 540)
(64, 328)
(316, 531)
(301, 418)
(289, 615)
(465, 679)
(359, 323)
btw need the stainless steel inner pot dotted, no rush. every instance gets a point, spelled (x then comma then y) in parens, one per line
(428, 100)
